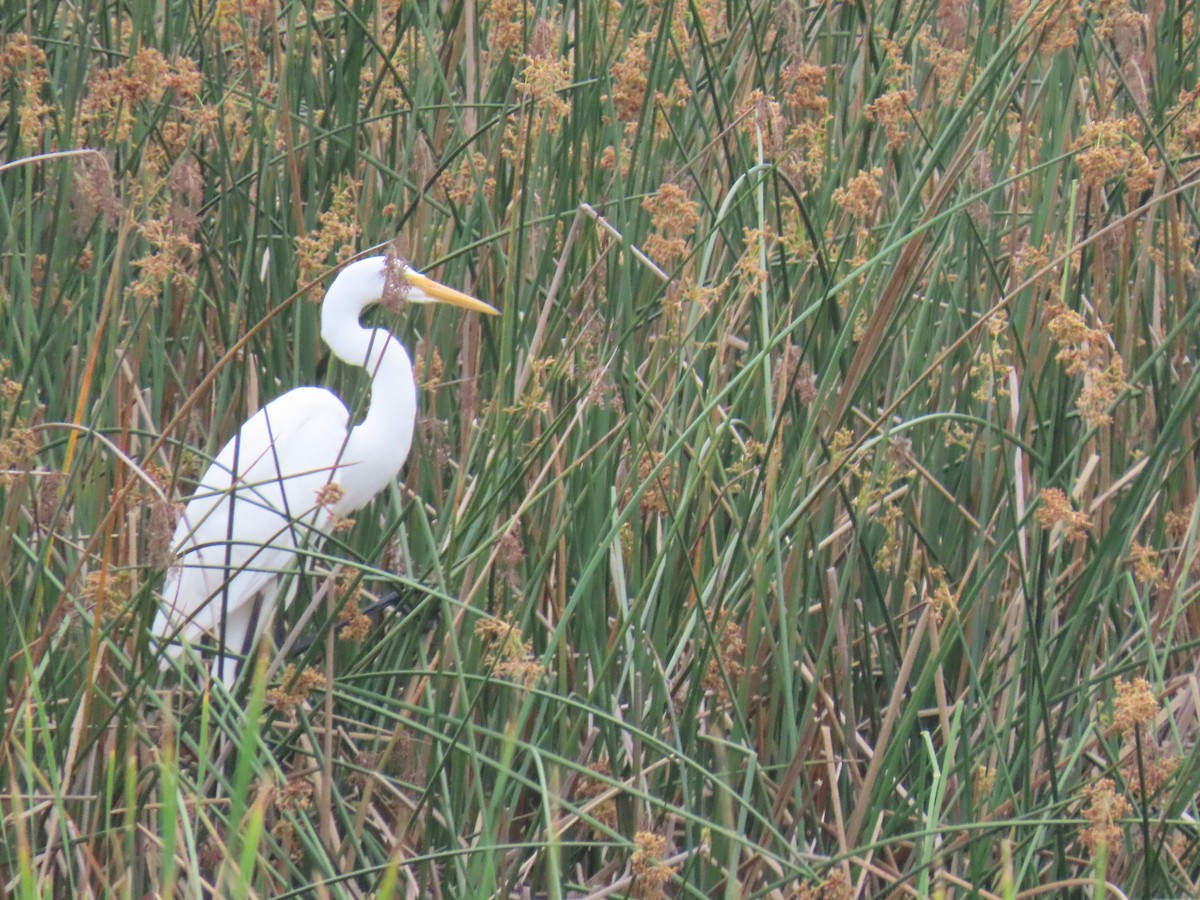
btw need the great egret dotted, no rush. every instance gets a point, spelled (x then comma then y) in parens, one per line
(290, 471)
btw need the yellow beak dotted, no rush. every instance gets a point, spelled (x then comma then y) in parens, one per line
(443, 294)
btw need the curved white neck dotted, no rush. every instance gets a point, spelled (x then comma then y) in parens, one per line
(386, 432)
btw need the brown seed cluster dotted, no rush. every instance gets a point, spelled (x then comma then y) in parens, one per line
(510, 555)
(536, 397)
(1135, 705)
(294, 688)
(1152, 772)
(356, 625)
(1146, 566)
(675, 217)
(839, 452)
(804, 87)
(25, 62)
(836, 887)
(802, 157)
(659, 496)
(546, 74)
(164, 514)
(117, 94)
(506, 652)
(761, 119)
(240, 24)
(748, 466)
(428, 367)
(983, 780)
(891, 518)
(712, 18)
(1115, 17)
(609, 161)
(507, 21)
(1055, 25)
(1177, 525)
(891, 110)
(1084, 350)
(1103, 808)
(335, 235)
(752, 263)
(296, 795)
(330, 495)
(798, 373)
(952, 66)
(650, 872)
(165, 194)
(1184, 134)
(726, 667)
(1101, 389)
(630, 77)
(993, 365)
(18, 450)
(860, 197)
(461, 182)
(106, 592)
(1082, 347)
(1112, 149)
(952, 23)
(171, 252)
(19, 444)
(94, 193)
(1056, 509)
(939, 595)
(1126, 29)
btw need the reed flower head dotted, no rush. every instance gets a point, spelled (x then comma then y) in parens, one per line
(650, 872)
(1135, 705)
(1103, 808)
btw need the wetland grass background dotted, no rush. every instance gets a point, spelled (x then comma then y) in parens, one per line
(817, 521)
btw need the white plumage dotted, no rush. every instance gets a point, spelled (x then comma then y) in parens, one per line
(276, 487)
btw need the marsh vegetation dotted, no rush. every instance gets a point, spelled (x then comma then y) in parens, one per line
(818, 520)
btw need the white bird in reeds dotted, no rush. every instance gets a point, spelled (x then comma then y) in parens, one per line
(290, 472)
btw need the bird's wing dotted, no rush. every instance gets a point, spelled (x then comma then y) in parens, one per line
(254, 506)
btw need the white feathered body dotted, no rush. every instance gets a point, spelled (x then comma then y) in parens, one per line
(255, 506)
(276, 487)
